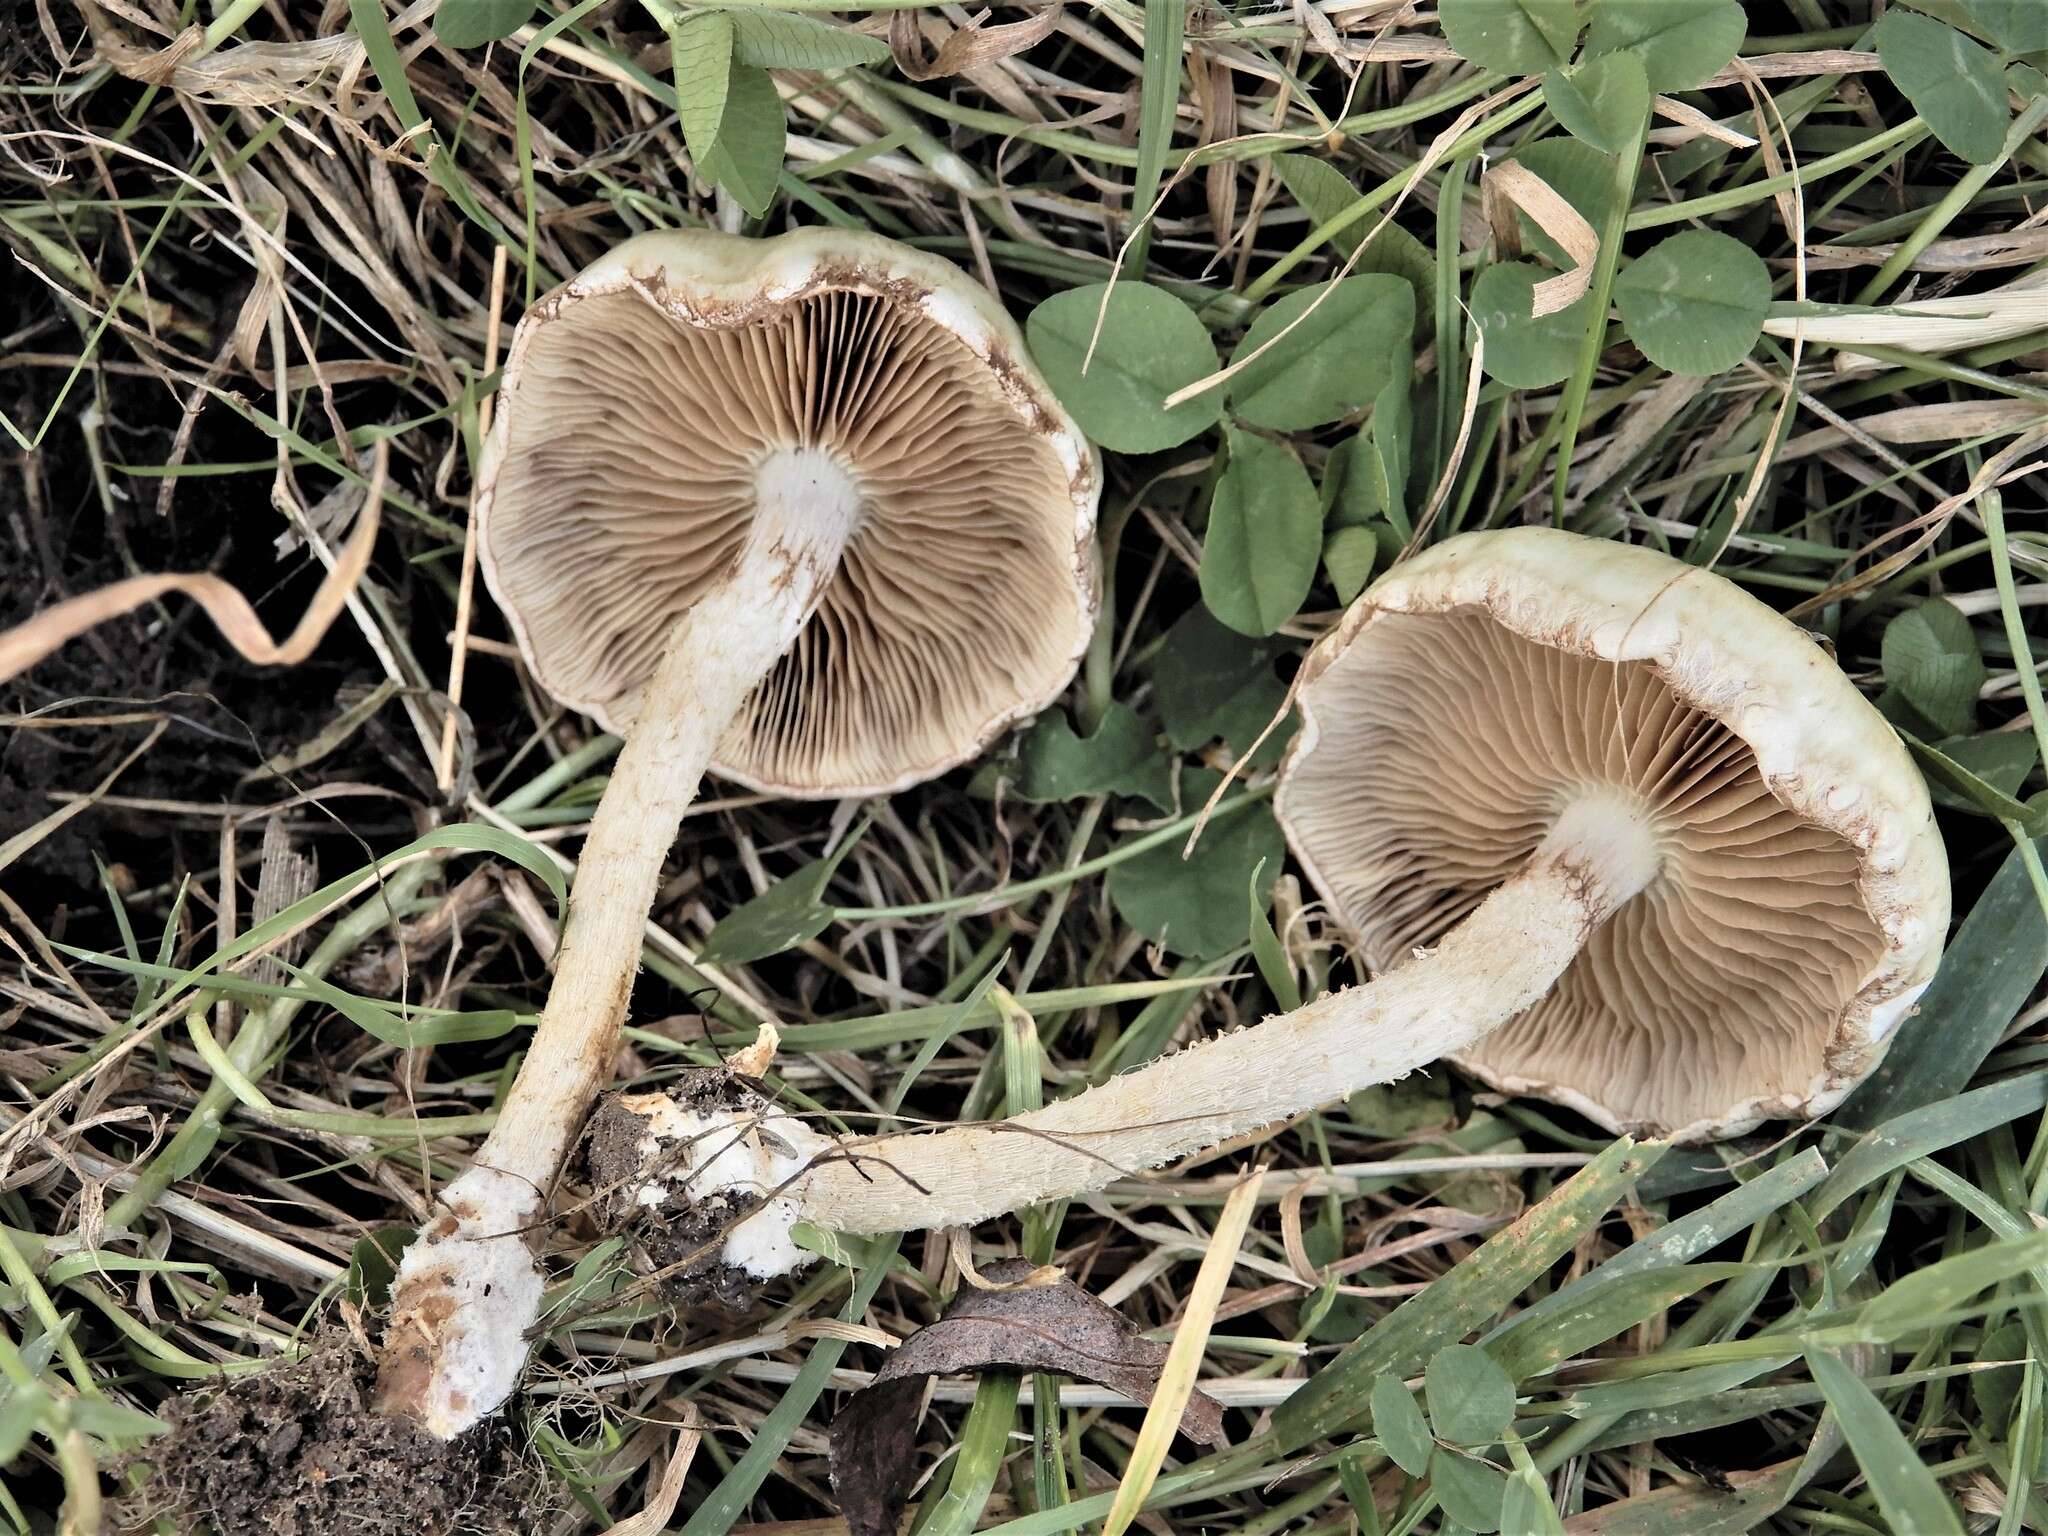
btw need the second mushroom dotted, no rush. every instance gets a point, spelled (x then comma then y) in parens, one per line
(1605, 828)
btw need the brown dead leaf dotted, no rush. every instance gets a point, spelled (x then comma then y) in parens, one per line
(1695, 124)
(2002, 248)
(962, 1258)
(664, 1493)
(1058, 1328)
(966, 48)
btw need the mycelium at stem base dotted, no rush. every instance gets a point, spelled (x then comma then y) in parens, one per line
(469, 1288)
(1489, 968)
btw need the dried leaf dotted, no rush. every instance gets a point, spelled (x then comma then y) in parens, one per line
(966, 48)
(1059, 1328)
(1696, 124)
(962, 1257)
(1184, 1358)
(1513, 182)
(1923, 325)
(664, 1494)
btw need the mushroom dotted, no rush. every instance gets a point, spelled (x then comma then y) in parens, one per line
(798, 511)
(1607, 828)
(1759, 876)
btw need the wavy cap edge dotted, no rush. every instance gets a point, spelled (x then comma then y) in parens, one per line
(1820, 747)
(710, 278)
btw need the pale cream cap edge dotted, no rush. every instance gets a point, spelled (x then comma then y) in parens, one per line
(1821, 748)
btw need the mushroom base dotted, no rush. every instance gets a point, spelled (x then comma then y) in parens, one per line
(466, 1291)
(697, 1176)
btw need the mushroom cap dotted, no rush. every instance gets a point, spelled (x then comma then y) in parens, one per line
(638, 402)
(1802, 899)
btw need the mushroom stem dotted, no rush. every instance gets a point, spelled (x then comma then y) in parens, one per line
(1489, 968)
(469, 1289)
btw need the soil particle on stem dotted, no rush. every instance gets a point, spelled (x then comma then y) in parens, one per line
(680, 1245)
(296, 1451)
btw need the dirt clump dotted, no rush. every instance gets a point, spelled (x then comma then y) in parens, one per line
(296, 1451)
(678, 1246)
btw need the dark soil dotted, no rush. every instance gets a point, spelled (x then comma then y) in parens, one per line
(63, 533)
(57, 540)
(680, 1248)
(295, 1451)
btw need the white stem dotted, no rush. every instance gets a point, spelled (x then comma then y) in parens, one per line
(469, 1288)
(1492, 966)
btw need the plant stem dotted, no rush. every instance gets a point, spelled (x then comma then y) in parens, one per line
(1004, 895)
(1907, 133)
(559, 774)
(1959, 197)
(1473, 139)
(1572, 408)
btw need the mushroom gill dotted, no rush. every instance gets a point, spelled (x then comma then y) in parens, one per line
(1435, 784)
(625, 498)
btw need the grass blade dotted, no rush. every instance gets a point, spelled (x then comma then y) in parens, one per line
(1910, 1136)
(1159, 95)
(1462, 1300)
(1991, 968)
(1906, 1491)
(1184, 1358)
(727, 1504)
(1572, 407)
(1683, 1240)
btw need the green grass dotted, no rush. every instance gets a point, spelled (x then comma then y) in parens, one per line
(1832, 1330)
